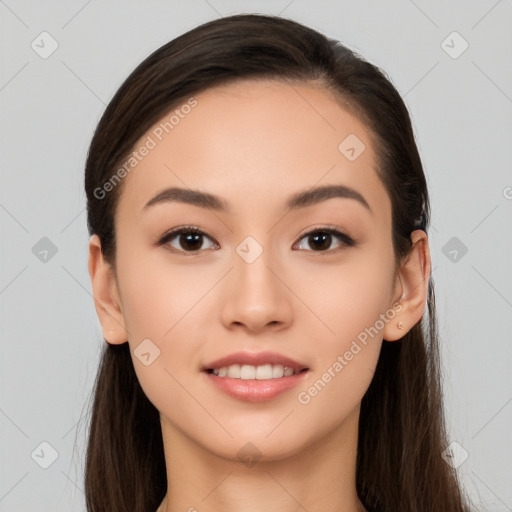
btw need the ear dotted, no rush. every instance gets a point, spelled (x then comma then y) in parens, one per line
(106, 295)
(414, 277)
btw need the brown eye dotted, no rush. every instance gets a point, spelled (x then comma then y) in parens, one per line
(185, 239)
(191, 239)
(321, 239)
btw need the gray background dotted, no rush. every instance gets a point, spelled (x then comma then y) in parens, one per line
(461, 105)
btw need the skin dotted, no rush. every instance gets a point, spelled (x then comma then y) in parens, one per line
(254, 144)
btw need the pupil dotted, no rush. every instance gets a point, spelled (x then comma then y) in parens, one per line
(193, 241)
(317, 241)
(323, 238)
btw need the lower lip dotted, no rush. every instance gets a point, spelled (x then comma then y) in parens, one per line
(255, 390)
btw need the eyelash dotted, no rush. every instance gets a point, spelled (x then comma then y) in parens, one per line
(346, 241)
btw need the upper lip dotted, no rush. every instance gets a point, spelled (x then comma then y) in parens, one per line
(254, 359)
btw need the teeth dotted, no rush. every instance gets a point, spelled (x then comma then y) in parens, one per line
(246, 371)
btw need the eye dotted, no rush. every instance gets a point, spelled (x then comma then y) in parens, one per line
(188, 239)
(321, 239)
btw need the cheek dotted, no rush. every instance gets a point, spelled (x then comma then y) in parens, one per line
(347, 297)
(351, 302)
(161, 303)
(158, 295)
(160, 306)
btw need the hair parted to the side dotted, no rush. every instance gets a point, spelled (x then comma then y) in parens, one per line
(402, 426)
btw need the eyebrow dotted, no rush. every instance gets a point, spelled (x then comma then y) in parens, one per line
(298, 200)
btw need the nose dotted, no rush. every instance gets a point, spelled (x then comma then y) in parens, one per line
(257, 296)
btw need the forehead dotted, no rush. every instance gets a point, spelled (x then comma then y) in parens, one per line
(252, 141)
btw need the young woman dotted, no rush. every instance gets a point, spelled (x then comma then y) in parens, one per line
(260, 267)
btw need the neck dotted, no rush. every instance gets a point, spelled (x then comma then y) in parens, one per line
(320, 477)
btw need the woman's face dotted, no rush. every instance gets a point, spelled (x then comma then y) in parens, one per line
(256, 281)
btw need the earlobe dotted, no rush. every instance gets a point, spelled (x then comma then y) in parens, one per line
(414, 277)
(106, 297)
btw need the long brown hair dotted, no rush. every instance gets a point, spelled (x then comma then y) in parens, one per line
(401, 428)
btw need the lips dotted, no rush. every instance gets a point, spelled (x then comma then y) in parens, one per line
(264, 387)
(255, 359)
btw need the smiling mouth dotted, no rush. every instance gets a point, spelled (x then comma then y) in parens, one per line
(250, 372)
(255, 383)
